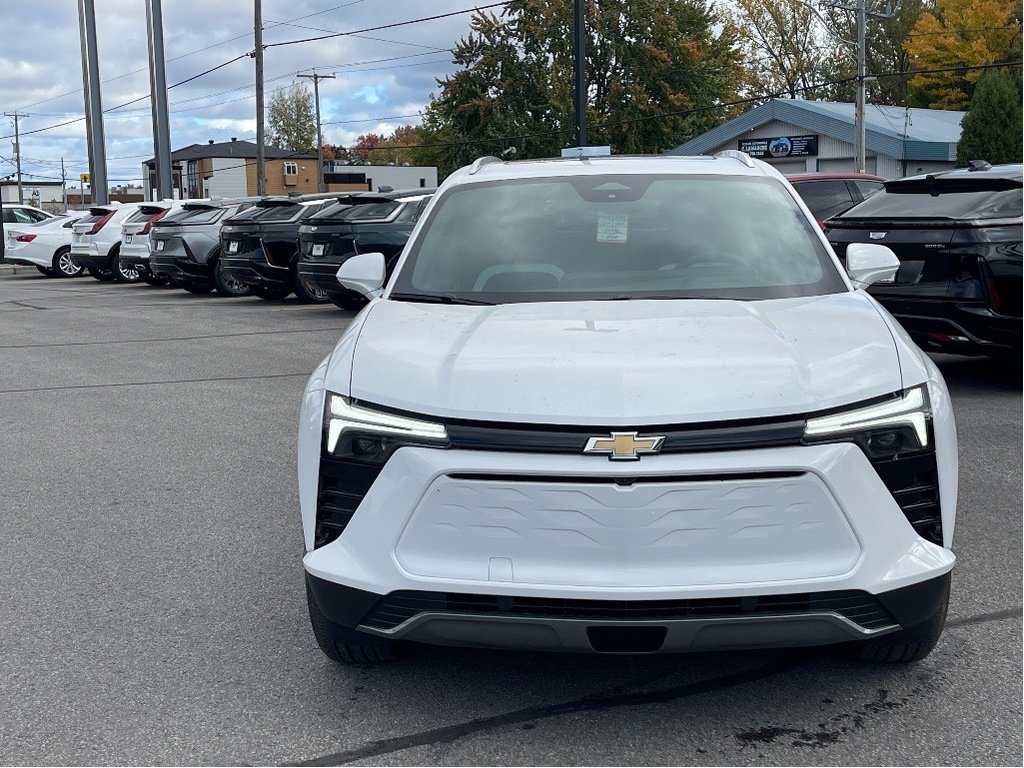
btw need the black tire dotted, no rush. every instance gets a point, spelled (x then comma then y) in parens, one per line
(197, 288)
(347, 646)
(45, 271)
(308, 296)
(103, 275)
(350, 301)
(272, 294)
(122, 273)
(64, 265)
(907, 645)
(227, 287)
(152, 279)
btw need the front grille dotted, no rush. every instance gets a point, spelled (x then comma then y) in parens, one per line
(397, 607)
(343, 484)
(913, 482)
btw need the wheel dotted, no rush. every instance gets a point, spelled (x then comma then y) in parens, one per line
(344, 645)
(152, 279)
(226, 286)
(103, 275)
(197, 287)
(911, 644)
(349, 300)
(123, 273)
(272, 294)
(310, 294)
(64, 265)
(45, 271)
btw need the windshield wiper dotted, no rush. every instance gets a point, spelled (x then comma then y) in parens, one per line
(439, 298)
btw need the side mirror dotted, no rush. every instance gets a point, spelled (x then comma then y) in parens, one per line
(869, 263)
(363, 273)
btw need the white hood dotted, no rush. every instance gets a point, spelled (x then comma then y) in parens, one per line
(621, 363)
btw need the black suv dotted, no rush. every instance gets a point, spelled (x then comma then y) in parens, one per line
(958, 238)
(260, 246)
(379, 223)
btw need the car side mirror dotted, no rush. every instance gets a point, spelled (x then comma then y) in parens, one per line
(868, 263)
(363, 273)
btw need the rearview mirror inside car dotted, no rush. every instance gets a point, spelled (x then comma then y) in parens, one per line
(869, 263)
(363, 273)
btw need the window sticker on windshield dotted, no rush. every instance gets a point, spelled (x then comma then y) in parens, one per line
(612, 227)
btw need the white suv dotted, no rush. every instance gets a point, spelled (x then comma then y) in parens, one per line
(623, 405)
(96, 242)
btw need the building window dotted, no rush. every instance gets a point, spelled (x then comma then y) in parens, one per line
(291, 169)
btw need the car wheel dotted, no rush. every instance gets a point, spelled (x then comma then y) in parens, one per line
(122, 273)
(103, 275)
(344, 645)
(45, 271)
(197, 287)
(272, 294)
(64, 265)
(348, 300)
(911, 644)
(226, 286)
(309, 294)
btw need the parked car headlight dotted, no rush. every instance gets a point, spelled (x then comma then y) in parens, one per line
(883, 430)
(362, 433)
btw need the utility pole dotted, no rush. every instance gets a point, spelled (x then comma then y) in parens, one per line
(261, 157)
(580, 71)
(93, 102)
(64, 185)
(17, 151)
(863, 11)
(158, 100)
(319, 135)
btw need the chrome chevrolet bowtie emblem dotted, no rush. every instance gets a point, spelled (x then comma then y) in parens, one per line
(624, 446)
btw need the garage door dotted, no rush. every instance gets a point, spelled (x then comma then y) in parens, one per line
(845, 165)
(789, 166)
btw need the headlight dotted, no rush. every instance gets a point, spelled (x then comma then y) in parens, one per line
(371, 435)
(884, 430)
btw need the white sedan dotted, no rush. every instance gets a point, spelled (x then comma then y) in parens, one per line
(46, 245)
(625, 405)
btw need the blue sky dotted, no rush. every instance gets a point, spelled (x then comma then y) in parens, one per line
(384, 78)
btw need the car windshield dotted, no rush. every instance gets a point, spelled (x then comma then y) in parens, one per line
(281, 213)
(617, 237)
(909, 202)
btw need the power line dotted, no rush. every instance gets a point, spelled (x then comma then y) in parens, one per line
(390, 26)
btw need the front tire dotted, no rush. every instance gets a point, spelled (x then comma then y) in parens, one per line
(347, 646)
(64, 265)
(350, 301)
(103, 275)
(226, 286)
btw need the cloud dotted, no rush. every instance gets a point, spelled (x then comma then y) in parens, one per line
(378, 74)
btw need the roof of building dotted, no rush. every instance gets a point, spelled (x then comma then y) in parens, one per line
(31, 183)
(241, 150)
(914, 134)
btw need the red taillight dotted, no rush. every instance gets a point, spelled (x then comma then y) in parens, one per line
(25, 238)
(157, 217)
(100, 222)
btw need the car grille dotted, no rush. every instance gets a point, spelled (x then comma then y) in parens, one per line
(398, 607)
(913, 482)
(343, 484)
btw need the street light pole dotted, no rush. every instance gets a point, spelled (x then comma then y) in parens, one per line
(17, 151)
(261, 156)
(858, 144)
(580, 71)
(158, 99)
(316, 78)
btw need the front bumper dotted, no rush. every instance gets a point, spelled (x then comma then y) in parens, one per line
(756, 527)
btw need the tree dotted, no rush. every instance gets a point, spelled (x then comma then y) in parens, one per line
(962, 33)
(657, 70)
(788, 48)
(992, 128)
(291, 119)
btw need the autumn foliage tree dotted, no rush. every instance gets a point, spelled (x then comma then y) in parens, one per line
(962, 33)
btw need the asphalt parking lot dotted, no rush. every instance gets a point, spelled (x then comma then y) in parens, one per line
(152, 606)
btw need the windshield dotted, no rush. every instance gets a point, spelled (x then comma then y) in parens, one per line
(617, 237)
(909, 202)
(280, 213)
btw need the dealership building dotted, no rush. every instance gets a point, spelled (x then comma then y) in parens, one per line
(799, 136)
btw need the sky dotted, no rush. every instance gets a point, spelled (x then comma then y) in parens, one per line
(383, 78)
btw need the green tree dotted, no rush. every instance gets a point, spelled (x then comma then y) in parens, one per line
(992, 128)
(646, 59)
(291, 119)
